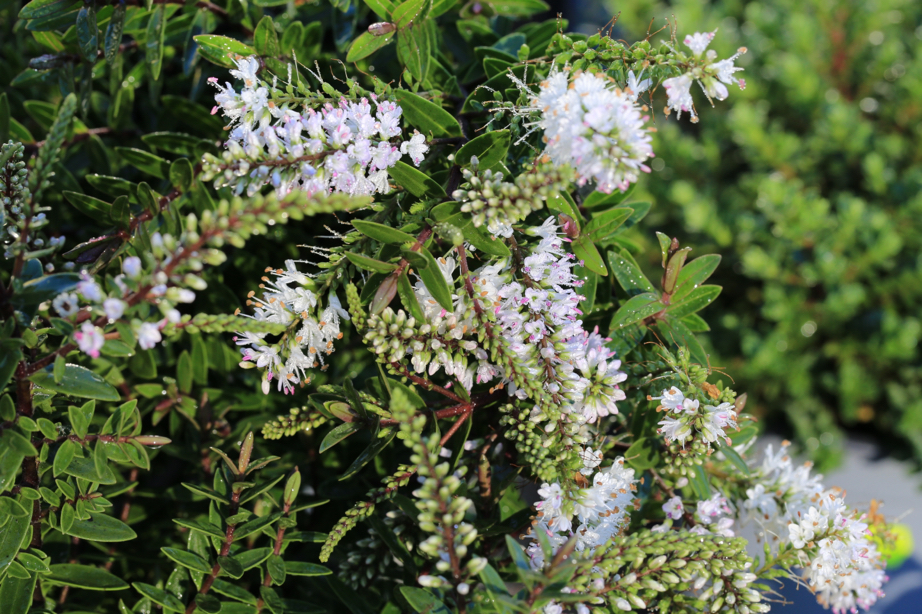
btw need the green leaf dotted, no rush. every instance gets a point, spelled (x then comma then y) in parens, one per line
(187, 559)
(350, 598)
(77, 382)
(207, 603)
(234, 592)
(156, 28)
(410, 11)
(382, 233)
(64, 456)
(202, 526)
(414, 181)
(181, 174)
(374, 448)
(370, 264)
(87, 32)
(85, 469)
(85, 576)
(112, 186)
(694, 301)
(427, 116)
(297, 568)
(160, 597)
(114, 33)
(435, 281)
(338, 434)
(4, 118)
(628, 273)
(220, 50)
(45, 8)
(177, 143)
(206, 492)
(251, 558)
(603, 225)
(230, 567)
(257, 524)
(81, 417)
(16, 593)
(121, 214)
(414, 50)
(636, 309)
(382, 8)
(266, 39)
(678, 334)
(699, 483)
(695, 323)
(43, 289)
(586, 251)
(423, 601)
(408, 297)
(519, 8)
(694, 274)
(19, 443)
(490, 148)
(642, 454)
(101, 528)
(12, 531)
(144, 161)
(366, 44)
(89, 206)
(276, 568)
(734, 457)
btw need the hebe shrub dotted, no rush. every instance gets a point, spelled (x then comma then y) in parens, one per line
(810, 189)
(370, 335)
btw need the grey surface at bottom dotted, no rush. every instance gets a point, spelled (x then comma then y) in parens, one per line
(865, 475)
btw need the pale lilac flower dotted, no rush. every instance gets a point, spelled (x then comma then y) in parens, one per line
(148, 335)
(114, 308)
(90, 339)
(132, 267)
(674, 508)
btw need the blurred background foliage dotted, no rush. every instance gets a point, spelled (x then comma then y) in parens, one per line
(810, 187)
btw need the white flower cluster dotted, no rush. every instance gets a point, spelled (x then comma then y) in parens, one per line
(288, 300)
(712, 515)
(344, 148)
(596, 127)
(713, 76)
(536, 319)
(599, 511)
(839, 561)
(90, 338)
(685, 416)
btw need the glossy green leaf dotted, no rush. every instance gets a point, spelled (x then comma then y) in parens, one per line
(423, 601)
(174, 142)
(338, 434)
(428, 117)
(642, 454)
(221, 49)
(87, 32)
(160, 597)
(694, 301)
(113, 37)
(435, 281)
(586, 251)
(694, 274)
(202, 526)
(77, 382)
(414, 181)
(44, 288)
(144, 161)
(112, 186)
(636, 309)
(45, 8)
(187, 559)
(374, 448)
(85, 576)
(12, 531)
(89, 206)
(414, 51)
(604, 224)
(490, 148)
(153, 46)
(366, 45)
(370, 264)
(628, 273)
(101, 528)
(383, 233)
(410, 11)
(64, 456)
(181, 174)
(16, 594)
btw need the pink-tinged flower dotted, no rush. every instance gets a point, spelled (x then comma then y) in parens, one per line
(148, 335)
(90, 339)
(674, 508)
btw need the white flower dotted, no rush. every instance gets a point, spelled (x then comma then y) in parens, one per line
(90, 339)
(131, 267)
(66, 304)
(148, 335)
(114, 308)
(636, 86)
(416, 147)
(674, 508)
(89, 290)
(678, 95)
(595, 127)
(699, 41)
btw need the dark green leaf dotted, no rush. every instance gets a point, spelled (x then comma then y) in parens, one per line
(408, 297)
(187, 559)
(628, 273)
(16, 594)
(642, 454)
(12, 531)
(409, 11)
(350, 598)
(370, 264)
(202, 526)
(694, 301)
(338, 434)
(174, 142)
(112, 186)
(160, 597)
(145, 161)
(382, 233)
(435, 281)
(636, 309)
(699, 483)
(85, 576)
(45, 8)
(392, 541)
(276, 568)
(297, 568)
(231, 567)
(181, 174)
(44, 288)
(414, 181)
(64, 456)
(266, 39)
(208, 603)
(490, 148)
(374, 448)
(423, 601)
(428, 117)
(77, 382)
(156, 28)
(101, 528)
(589, 256)
(603, 225)
(734, 457)
(89, 206)
(114, 33)
(207, 492)
(87, 32)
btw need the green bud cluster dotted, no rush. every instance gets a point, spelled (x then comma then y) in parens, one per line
(673, 571)
(221, 323)
(364, 509)
(354, 305)
(299, 419)
(529, 440)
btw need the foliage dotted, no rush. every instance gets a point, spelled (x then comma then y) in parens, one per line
(432, 201)
(810, 189)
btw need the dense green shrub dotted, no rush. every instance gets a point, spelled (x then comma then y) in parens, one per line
(811, 189)
(369, 335)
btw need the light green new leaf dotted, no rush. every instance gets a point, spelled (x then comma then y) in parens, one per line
(367, 44)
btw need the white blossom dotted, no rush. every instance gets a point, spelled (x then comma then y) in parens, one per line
(90, 339)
